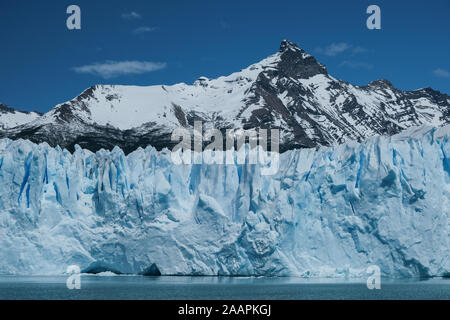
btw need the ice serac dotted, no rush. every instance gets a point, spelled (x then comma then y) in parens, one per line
(327, 212)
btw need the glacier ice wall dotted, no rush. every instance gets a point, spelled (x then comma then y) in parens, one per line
(327, 212)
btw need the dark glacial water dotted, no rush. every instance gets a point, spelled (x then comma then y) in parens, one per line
(138, 287)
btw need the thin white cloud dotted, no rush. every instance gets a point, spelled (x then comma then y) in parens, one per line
(358, 49)
(334, 49)
(356, 64)
(144, 29)
(133, 15)
(337, 48)
(111, 69)
(441, 73)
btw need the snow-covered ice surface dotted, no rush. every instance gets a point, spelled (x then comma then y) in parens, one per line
(330, 212)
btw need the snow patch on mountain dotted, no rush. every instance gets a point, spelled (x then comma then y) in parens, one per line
(10, 118)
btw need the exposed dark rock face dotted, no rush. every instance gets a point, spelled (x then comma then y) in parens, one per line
(4, 108)
(297, 64)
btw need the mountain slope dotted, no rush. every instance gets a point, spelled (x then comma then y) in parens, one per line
(289, 90)
(10, 118)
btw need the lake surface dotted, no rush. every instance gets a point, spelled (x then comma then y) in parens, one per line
(139, 287)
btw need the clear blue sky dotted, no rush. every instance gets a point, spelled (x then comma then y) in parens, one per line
(210, 38)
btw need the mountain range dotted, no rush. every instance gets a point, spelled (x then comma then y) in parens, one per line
(290, 90)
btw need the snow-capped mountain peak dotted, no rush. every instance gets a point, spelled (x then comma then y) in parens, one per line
(289, 90)
(288, 45)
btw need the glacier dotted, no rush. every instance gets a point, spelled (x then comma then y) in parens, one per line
(327, 212)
